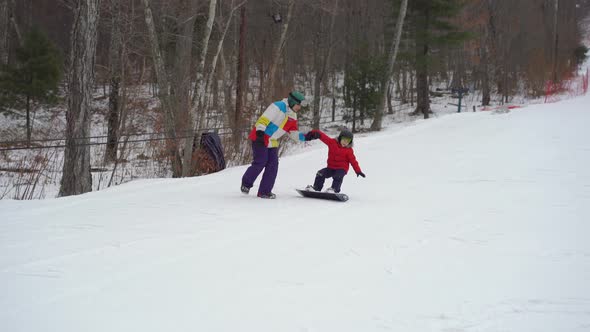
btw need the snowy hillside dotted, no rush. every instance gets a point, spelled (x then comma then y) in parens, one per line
(469, 222)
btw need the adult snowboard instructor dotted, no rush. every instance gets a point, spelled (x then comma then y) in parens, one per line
(278, 119)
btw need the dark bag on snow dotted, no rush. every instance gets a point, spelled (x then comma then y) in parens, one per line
(210, 153)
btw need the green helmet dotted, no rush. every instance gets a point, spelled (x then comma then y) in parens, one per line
(295, 97)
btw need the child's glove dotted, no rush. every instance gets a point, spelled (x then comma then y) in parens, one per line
(360, 174)
(310, 136)
(259, 138)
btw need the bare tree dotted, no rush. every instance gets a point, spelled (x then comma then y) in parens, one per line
(486, 49)
(377, 121)
(277, 53)
(4, 29)
(213, 66)
(196, 98)
(422, 50)
(555, 39)
(240, 78)
(163, 90)
(200, 74)
(76, 178)
(322, 60)
(181, 79)
(116, 69)
(8, 24)
(17, 32)
(175, 86)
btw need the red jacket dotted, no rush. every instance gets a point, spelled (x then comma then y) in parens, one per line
(339, 157)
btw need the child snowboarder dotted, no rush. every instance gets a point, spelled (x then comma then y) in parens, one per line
(340, 156)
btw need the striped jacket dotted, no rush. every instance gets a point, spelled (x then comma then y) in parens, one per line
(277, 120)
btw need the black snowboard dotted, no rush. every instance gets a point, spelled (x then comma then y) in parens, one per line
(323, 195)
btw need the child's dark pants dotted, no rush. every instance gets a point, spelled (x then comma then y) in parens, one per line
(324, 173)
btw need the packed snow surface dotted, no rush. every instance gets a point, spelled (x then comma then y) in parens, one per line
(468, 222)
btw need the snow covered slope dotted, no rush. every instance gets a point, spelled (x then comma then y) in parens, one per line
(469, 222)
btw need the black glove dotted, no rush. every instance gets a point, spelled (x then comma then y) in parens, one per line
(310, 136)
(259, 138)
(360, 174)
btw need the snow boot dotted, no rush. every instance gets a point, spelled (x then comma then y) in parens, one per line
(310, 188)
(267, 196)
(245, 190)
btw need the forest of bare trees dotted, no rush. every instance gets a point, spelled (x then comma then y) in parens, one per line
(227, 59)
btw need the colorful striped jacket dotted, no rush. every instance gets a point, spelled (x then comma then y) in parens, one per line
(277, 120)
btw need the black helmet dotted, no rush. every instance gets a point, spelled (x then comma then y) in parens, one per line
(346, 133)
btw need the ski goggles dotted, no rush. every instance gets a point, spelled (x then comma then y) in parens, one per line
(303, 102)
(345, 140)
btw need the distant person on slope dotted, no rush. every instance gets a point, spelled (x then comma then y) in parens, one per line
(278, 119)
(340, 156)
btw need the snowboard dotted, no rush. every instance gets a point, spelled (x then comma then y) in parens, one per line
(323, 195)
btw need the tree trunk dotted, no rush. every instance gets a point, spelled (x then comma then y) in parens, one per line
(4, 30)
(28, 105)
(334, 99)
(270, 91)
(262, 84)
(411, 88)
(404, 86)
(322, 63)
(187, 106)
(389, 96)
(240, 79)
(317, 81)
(197, 102)
(76, 178)
(354, 107)
(181, 81)
(116, 67)
(212, 68)
(214, 81)
(200, 74)
(422, 98)
(163, 92)
(227, 88)
(422, 89)
(378, 120)
(15, 26)
(485, 78)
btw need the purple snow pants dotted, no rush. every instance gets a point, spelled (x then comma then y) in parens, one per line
(266, 159)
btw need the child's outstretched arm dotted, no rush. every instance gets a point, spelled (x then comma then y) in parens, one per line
(324, 138)
(355, 164)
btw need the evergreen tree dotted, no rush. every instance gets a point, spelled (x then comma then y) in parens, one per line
(34, 77)
(432, 28)
(362, 83)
